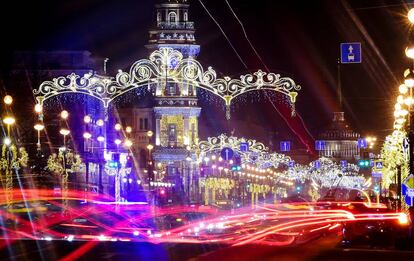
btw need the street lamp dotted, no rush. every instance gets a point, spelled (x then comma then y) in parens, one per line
(100, 138)
(409, 78)
(39, 127)
(7, 141)
(400, 113)
(150, 169)
(150, 147)
(8, 100)
(64, 132)
(9, 120)
(87, 135)
(64, 115)
(100, 122)
(38, 108)
(87, 119)
(128, 143)
(410, 15)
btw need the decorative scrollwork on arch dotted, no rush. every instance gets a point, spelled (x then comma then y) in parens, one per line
(167, 65)
(257, 153)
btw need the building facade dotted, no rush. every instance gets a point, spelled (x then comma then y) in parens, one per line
(340, 141)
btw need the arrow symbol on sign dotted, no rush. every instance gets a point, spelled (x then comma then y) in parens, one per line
(227, 154)
(350, 49)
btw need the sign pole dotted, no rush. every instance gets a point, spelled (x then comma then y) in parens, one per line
(399, 188)
(339, 85)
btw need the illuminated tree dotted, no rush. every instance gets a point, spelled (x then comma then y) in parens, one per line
(393, 156)
(12, 159)
(62, 164)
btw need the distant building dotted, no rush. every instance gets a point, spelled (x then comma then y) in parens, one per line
(45, 65)
(341, 142)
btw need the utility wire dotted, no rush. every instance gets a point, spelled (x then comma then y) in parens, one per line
(267, 68)
(225, 35)
(245, 35)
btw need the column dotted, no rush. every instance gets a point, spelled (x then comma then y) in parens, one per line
(186, 128)
(157, 130)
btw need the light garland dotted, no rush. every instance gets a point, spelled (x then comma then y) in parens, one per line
(62, 164)
(12, 159)
(167, 65)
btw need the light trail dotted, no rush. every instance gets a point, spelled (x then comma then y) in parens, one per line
(275, 225)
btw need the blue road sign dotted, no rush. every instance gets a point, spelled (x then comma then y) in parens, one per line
(362, 143)
(351, 53)
(377, 175)
(409, 201)
(344, 163)
(227, 153)
(291, 164)
(244, 146)
(378, 164)
(320, 145)
(285, 146)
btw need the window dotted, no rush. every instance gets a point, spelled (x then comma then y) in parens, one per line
(158, 17)
(172, 17)
(193, 133)
(172, 134)
(146, 124)
(143, 158)
(141, 123)
(172, 90)
(185, 17)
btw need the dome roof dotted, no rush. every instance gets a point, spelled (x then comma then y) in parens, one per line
(339, 129)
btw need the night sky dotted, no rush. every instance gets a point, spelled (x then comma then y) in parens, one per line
(299, 39)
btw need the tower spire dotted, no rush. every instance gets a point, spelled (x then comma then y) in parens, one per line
(173, 29)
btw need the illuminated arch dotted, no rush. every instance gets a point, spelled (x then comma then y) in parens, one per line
(167, 65)
(257, 154)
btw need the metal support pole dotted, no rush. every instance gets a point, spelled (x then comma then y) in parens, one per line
(100, 188)
(399, 188)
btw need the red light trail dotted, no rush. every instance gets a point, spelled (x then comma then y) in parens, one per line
(38, 215)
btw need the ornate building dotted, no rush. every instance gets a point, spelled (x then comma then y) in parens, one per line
(172, 28)
(176, 111)
(172, 116)
(341, 142)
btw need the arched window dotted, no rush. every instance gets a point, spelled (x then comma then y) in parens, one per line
(158, 17)
(185, 17)
(172, 17)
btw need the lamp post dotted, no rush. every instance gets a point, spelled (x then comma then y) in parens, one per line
(8, 120)
(150, 169)
(409, 101)
(39, 127)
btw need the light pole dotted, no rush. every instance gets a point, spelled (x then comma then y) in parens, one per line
(8, 120)
(150, 169)
(406, 99)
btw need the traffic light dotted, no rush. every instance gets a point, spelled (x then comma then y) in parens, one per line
(113, 164)
(364, 163)
(235, 168)
(129, 162)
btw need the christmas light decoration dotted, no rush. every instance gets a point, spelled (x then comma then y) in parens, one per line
(393, 156)
(167, 65)
(12, 159)
(62, 164)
